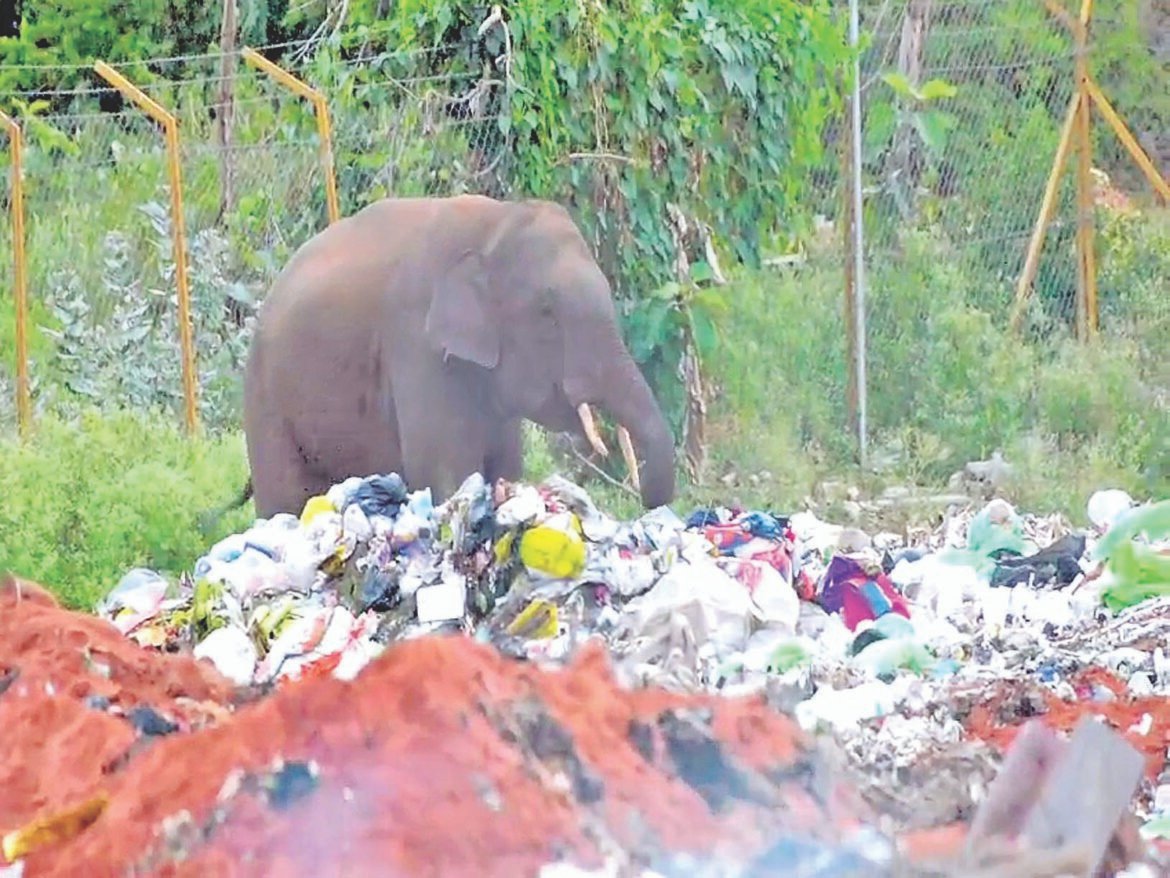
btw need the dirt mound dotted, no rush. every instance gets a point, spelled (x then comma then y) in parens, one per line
(443, 757)
(1143, 720)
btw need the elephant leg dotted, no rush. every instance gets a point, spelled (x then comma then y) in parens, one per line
(441, 459)
(506, 459)
(282, 479)
(443, 442)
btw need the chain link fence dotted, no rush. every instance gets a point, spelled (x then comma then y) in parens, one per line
(963, 105)
(102, 273)
(962, 108)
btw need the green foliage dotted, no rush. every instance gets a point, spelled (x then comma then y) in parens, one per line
(634, 115)
(59, 41)
(85, 501)
(1133, 74)
(1070, 418)
(120, 349)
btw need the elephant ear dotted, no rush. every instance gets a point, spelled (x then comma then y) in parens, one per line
(457, 321)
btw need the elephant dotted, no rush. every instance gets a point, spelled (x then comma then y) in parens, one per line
(416, 335)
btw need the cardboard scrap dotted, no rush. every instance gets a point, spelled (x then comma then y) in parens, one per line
(1087, 793)
(1056, 800)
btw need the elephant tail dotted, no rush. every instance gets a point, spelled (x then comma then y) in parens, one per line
(210, 519)
(245, 495)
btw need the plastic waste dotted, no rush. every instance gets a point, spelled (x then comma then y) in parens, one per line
(538, 621)
(379, 495)
(314, 507)
(1139, 571)
(778, 603)
(1057, 564)
(554, 548)
(995, 530)
(232, 652)
(858, 589)
(149, 722)
(718, 610)
(843, 709)
(443, 601)
(53, 828)
(1105, 506)
(995, 533)
(137, 598)
(320, 638)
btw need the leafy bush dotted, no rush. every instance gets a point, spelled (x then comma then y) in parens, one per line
(946, 383)
(85, 501)
(120, 349)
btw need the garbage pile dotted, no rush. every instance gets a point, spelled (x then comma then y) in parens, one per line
(920, 656)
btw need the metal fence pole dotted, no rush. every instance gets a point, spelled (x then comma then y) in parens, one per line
(178, 228)
(858, 235)
(320, 110)
(19, 275)
(1086, 258)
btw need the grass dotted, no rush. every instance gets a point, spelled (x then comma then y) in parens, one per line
(85, 501)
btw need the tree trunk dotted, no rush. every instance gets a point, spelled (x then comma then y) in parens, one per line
(905, 167)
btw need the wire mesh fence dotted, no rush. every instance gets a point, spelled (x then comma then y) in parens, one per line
(965, 107)
(963, 103)
(962, 107)
(102, 270)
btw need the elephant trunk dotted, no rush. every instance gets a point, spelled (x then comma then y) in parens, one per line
(632, 404)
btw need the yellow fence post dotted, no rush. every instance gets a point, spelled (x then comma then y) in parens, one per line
(19, 275)
(1086, 257)
(178, 227)
(1129, 141)
(320, 110)
(1047, 207)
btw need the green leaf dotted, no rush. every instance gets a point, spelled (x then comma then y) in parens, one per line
(933, 127)
(899, 83)
(701, 272)
(937, 88)
(648, 329)
(881, 122)
(668, 291)
(705, 333)
(711, 300)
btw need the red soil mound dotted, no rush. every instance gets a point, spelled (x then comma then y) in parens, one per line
(53, 747)
(443, 757)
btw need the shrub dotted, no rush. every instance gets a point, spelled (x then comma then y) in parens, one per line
(85, 501)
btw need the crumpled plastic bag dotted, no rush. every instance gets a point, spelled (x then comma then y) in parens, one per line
(996, 528)
(996, 531)
(137, 598)
(720, 610)
(555, 548)
(321, 640)
(1139, 570)
(769, 590)
(232, 652)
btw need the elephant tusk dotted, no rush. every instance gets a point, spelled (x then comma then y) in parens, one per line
(627, 446)
(586, 416)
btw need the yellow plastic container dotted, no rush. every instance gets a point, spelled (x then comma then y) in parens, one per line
(555, 548)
